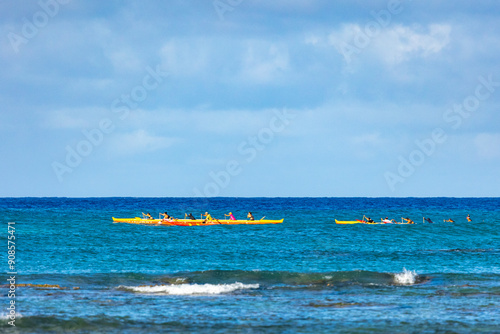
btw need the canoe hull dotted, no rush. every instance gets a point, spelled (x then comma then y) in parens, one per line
(190, 222)
(347, 222)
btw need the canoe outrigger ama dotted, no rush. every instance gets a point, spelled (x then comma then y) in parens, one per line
(191, 222)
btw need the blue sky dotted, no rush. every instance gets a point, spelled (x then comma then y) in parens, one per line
(250, 98)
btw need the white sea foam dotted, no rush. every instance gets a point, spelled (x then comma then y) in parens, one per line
(7, 316)
(407, 277)
(191, 289)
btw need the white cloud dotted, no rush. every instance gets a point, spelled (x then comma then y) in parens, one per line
(139, 141)
(123, 57)
(392, 45)
(185, 57)
(287, 5)
(367, 145)
(345, 34)
(246, 60)
(125, 60)
(401, 43)
(487, 145)
(370, 139)
(263, 62)
(234, 122)
(75, 118)
(313, 39)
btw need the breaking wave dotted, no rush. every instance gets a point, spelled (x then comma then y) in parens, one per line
(283, 279)
(190, 289)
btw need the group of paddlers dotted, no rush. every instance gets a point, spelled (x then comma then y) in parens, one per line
(204, 217)
(407, 220)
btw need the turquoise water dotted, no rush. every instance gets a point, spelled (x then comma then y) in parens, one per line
(306, 275)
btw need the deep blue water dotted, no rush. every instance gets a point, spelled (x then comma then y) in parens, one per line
(305, 275)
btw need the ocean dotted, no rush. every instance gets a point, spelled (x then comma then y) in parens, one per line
(77, 271)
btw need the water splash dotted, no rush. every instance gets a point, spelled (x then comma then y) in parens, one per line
(407, 277)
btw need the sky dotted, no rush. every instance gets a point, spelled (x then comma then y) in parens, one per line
(250, 98)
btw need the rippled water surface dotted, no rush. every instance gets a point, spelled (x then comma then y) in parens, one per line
(80, 272)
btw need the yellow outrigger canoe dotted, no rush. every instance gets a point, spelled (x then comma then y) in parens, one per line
(354, 222)
(365, 222)
(191, 222)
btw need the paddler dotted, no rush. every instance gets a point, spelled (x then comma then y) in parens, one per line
(230, 215)
(469, 218)
(448, 220)
(165, 216)
(428, 220)
(368, 220)
(408, 221)
(190, 216)
(207, 216)
(146, 216)
(250, 216)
